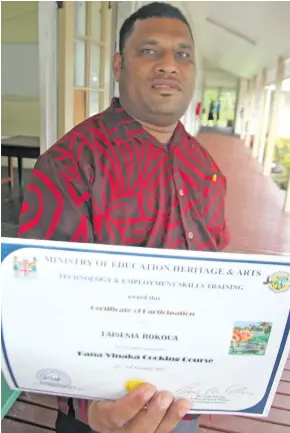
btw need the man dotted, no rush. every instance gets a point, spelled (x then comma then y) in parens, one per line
(133, 176)
(217, 110)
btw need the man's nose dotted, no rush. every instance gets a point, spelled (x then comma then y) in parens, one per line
(167, 64)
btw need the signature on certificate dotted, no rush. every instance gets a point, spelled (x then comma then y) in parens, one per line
(195, 390)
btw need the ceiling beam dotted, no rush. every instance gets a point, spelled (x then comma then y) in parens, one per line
(231, 31)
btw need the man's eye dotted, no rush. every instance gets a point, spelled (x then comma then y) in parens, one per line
(147, 51)
(182, 54)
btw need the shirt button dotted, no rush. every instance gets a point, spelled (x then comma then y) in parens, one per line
(190, 235)
(181, 192)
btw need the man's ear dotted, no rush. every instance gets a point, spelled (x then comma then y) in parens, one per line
(117, 66)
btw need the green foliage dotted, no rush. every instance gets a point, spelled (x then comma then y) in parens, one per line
(282, 158)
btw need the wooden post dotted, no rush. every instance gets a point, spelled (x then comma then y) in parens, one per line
(261, 113)
(252, 104)
(264, 129)
(240, 121)
(246, 110)
(273, 130)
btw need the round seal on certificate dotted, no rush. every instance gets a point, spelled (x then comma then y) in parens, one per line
(278, 282)
(53, 377)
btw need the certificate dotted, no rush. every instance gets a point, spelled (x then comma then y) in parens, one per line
(95, 321)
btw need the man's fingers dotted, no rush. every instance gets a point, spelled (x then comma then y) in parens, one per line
(174, 415)
(147, 421)
(104, 416)
(161, 416)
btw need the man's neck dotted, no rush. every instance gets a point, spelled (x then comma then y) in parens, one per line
(163, 133)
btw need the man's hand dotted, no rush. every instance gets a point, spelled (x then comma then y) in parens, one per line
(127, 415)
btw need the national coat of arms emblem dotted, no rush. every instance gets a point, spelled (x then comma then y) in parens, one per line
(24, 267)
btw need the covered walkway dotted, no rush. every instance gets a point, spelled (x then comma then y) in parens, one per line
(254, 202)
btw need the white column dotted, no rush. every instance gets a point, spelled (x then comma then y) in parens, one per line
(286, 206)
(47, 43)
(238, 94)
(273, 130)
(252, 106)
(66, 55)
(287, 198)
(261, 113)
(241, 109)
(246, 109)
(264, 128)
(108, 55)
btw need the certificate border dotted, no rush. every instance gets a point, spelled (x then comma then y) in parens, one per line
(5, 355)
(9, 247)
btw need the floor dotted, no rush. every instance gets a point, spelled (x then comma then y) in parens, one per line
(254, 202)
(31, 413)
(221, 130)
(257, 224)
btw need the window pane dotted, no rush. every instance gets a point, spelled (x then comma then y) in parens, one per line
(96, 20)
(94, 103)
(80, 18)
(79, 63)
(95, 66)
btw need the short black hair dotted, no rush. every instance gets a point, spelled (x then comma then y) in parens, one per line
(151, 10)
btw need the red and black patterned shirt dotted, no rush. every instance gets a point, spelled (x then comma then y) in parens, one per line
(109, 181)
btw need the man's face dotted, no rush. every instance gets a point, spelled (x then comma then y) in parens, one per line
(157, 72)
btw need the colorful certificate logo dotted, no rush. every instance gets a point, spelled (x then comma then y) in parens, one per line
(278, 282)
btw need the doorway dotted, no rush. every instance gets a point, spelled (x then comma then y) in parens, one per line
(223, 103)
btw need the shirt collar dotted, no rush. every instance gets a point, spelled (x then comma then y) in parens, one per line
(121, 126)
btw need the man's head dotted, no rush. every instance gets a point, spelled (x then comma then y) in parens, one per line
(155, 66)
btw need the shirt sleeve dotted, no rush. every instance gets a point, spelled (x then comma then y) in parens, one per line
(56, 204)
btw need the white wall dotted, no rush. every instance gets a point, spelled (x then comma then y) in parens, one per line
(20, 96)
(29, 72)
(215, 78)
